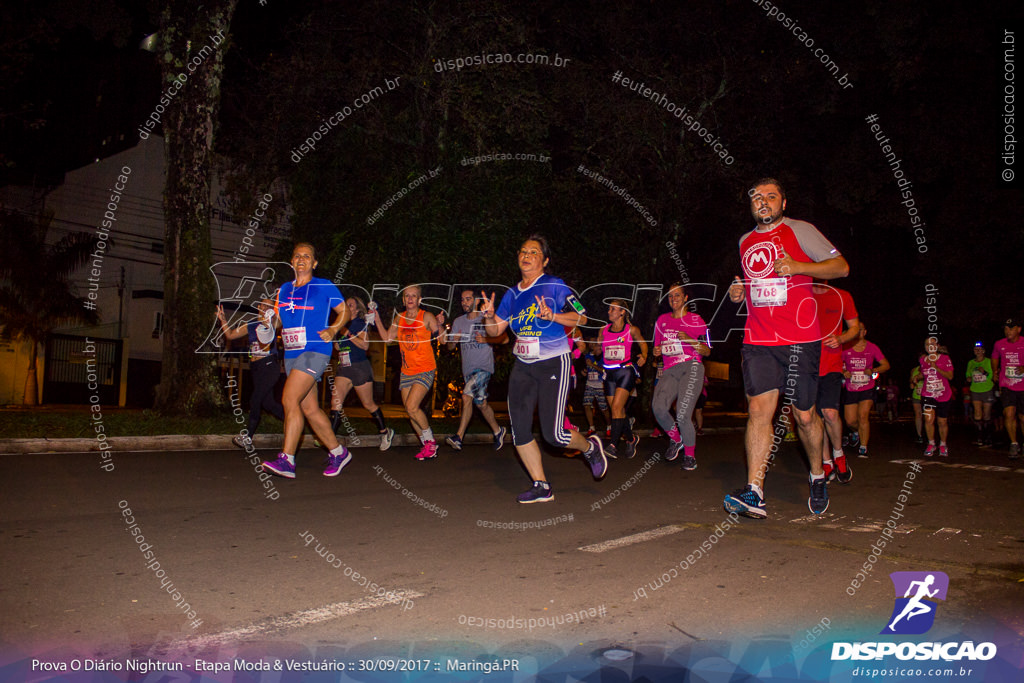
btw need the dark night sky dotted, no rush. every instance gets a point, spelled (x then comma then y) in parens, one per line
(933, 73)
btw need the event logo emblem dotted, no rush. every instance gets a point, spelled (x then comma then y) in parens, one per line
(914, 612)
(759, 260)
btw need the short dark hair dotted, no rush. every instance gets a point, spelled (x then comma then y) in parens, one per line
(766, 181)
(545, 249)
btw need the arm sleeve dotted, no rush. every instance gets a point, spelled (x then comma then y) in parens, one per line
(813, 242)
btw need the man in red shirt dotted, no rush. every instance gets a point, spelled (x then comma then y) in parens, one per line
(834, 306)
(782, 345)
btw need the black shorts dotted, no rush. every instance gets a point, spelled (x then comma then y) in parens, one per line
(830, 391)
(854, 397)
(623, 377)
(358, 373)
(792, 370)
(1012, 399)
(941, 408)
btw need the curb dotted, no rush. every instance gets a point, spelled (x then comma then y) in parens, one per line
(222, 442)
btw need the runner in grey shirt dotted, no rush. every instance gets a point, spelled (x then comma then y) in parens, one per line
(477, 367)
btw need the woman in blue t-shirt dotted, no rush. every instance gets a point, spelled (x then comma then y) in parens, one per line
(543, 368)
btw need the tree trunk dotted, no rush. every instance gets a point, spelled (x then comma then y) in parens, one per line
(31, 379)
(192, 44)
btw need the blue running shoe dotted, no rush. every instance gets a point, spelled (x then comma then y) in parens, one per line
(818, 500)
(282, 467)
(454, 441)
(595, 458)
(499, 439)
(746, 502)
(336, 463)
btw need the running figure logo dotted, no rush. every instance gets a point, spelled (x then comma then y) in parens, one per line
(914, 612)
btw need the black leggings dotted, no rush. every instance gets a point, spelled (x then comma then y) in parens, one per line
(544, 386)
(265, 374)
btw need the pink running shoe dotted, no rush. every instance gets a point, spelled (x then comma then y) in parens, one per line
(656, 433)
(429, 451)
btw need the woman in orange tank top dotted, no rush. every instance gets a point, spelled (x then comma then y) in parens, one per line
(413, 329)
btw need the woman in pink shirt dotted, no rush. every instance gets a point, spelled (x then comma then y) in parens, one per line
(859, 369)
(936, 395)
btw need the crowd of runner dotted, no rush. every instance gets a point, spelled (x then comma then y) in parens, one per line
(804, 344)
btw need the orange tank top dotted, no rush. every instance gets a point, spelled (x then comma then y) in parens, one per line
(414, 343)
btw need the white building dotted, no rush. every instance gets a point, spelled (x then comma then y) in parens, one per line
(120, 200)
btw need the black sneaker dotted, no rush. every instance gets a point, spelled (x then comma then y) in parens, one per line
(454, 441)
(596, 459)
(746, 502)
(854, 438)
(689, 463)
(540, 492)
(673, 450)
(610, 451)
(629, 450)
(818, 500)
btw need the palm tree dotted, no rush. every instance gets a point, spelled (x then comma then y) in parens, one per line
(35, 296)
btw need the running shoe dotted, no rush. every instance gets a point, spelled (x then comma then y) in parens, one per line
(830, 470)
(590, 431)
(429, 451)
(979, 440)
(241, 441)
(844, 473)
(919, 439)
(930, 450)
(630, 448)
(943, 451)
(454, 441)
(817, 502)
(281, 467)
(862, 452)
(386, 438)
(673, 451)
(499, 439)
(336, 463)
(1014, 451)
(610, 451)
(746, 502)
(540, 492)
(596, 458)
(608, 432)
(656, 433)
(689, 463)
(854, 438)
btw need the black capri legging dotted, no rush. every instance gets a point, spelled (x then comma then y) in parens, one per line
(544, 386)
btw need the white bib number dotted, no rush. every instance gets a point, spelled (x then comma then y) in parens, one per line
(344, 360)
(615, 352)
(294, 338)
(671, 348)
(257, 351)
(1013, 372)
(527, 348)
(978, 377)
(768, 291)
(859, 379)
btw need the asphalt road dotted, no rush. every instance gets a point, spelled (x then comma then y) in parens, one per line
(452, 564)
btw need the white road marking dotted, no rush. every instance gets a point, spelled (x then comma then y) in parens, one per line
(635, 538)
(960, 466)
(854, 524)
(292, 620)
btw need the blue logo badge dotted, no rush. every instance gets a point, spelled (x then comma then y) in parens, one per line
(917, 596)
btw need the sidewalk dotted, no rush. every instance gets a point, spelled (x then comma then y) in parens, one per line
(716, 423)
